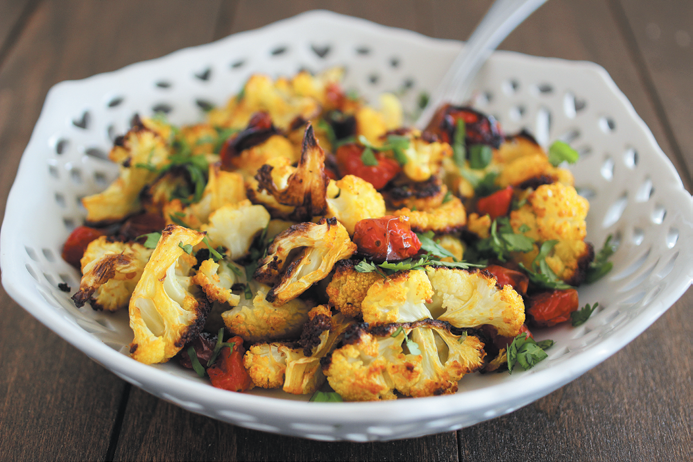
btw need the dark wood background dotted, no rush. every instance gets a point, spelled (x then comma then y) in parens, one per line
(56, 404)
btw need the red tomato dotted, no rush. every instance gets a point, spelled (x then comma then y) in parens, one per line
(547, 309)
(77, 243)
(334, 96)
(228, 371)
(350, 163)
(386, 238)
(497, 204)
(519, 281)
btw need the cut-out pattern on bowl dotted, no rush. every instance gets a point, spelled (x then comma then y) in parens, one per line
(634, 195)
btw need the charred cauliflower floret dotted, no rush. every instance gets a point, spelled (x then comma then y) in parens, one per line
(424, 158)
(449, 218)
(250, 160)
(401, 297)
(305, 189)
(524, 164)
(140, 152)
(468, 298)
(234, 226)
(297, 371)
(110, 271)
(216, 281)
(444, 360)
(258, 320)
(356, 200)
(165, 313)
(348, 287)
(316, 248)
(556, 212)
(415, 195)
(373, 124)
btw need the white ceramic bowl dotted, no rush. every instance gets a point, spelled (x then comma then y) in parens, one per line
(634, 192)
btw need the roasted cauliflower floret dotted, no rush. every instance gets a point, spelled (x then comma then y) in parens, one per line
(250, 160)
(424, 158)
(415, 195)
(446, 219)
(234, 226)
(444, 360)
(468, 298)
(363, 369)
(479, 225)
(357, 199)
(556, 212)
(305, 189)
(216, 281)
(140, 152)
(277, 365)
(348, 287)
(258, 320)
(452, 244)
(401, 297)
(165, 314)
(317, 247)
(523, 162)
(110, 271)
(373, 124)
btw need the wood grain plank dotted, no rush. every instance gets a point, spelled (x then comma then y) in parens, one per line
(56, 404)
(13, 16)
(662, 35)
(584, 30)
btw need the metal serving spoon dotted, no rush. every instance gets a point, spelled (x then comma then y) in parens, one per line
(501, 19)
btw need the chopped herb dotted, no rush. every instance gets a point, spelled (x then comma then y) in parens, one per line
(422, 102)
(247, 293)
(223, 134)
(343, 141)
(177, 219)
(518, 204)
(216, 255)
(463, 337)
(405, 265)
(326, 397)
(218, 346)
(480, 156)
(395, 143)
(503, 240)
(150, 167)
(581, 316)
(432, 247)
(207, 139)
(560, 152)
(196, 362)
(456, 264)
(400, 330)
(241, 94)
(459, 153)
(601, 266)
(152, 240)
(541, 273)
(523, 228)
(487, 185)
(525, 352)
(412, 346)
(186, 247)
(448, 197)
(352, 95)
(368, 158)
(329, 132)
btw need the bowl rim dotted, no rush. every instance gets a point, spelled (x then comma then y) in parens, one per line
(497, 395)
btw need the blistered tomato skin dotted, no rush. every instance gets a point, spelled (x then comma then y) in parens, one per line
(519, 281)
(228, 371)
(350, 163)
(497, 204)
(547, 309)
(386, 239)
(77, 244)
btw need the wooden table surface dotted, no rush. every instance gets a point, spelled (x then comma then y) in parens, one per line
(58, 405)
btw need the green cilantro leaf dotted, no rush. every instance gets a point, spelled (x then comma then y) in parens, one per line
(218, 346)
(459, 153)
(560, 151)
(343, 141)
(581, 316)
(216, 256)
(423, 99)
(186, 247)
(503, 240)
(525, 352)
(448, 197)
(223, 134)
(523, 228)
(152, 240)
(329, 132)
(326, 397)
(462, 338)
(176, 218)
(480, 156)
(196, 362)
(457, 264)
(412, 346)
(601, 266)
(368, 158)
(404, 265)
(432, 247)
(399, 331)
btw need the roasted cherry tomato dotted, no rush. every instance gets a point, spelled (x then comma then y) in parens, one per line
(519, 281)
(228, 371)
(386, 238)
(497, 204)
(204, 349)
(350, 163)
(77, 243)
(550, 308)
(141, 224)
(479, 128)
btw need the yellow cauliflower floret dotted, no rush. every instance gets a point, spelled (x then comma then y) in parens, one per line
(266, 363)
(374, 124)
(401, 297)
(521, 160)
(472, 298)
(164, 312)
(556, 212)
(481, 226)
(259, 320)
(200, 137)
(348, 287)
(357, 200)
(316, 248)
(249, 161)
(452, 244)
(234, 226)
(110, 271)
(446, 219)
(424, 159)
(140, 146)
(216, 281)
